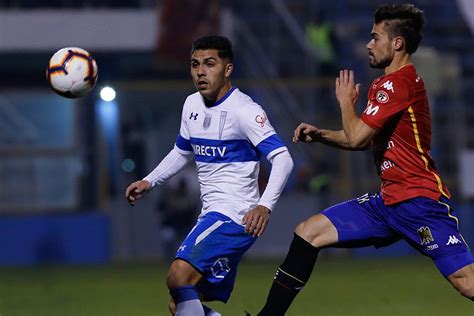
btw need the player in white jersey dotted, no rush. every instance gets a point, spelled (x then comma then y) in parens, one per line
(226, 133)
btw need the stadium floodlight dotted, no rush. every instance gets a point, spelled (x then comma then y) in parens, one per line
(107, 94)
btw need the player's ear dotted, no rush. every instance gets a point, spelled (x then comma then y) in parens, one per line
(398, 43)
(228, 69)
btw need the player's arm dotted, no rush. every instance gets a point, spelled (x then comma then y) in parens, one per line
(170, 165)
(308, 133)
(177, 159)
(256, 220)
(357, 133)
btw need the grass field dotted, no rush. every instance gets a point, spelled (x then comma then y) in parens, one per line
(338, 287)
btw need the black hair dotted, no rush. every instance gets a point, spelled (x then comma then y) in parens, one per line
(220, 43)
(404, 20)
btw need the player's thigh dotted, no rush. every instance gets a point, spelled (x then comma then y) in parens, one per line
(214, 247)
(358, 222)
(431, 227)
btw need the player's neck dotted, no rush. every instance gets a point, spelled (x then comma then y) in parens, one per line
(223, 91)
(398, 62)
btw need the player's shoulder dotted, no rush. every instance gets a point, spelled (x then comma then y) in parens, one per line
(192, 100)
(245, 103)
(396, 83)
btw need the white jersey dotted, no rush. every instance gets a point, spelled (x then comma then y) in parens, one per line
(228, 140)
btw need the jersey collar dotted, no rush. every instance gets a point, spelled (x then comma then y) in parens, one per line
(221, 100)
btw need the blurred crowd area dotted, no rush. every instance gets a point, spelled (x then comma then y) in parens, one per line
(61, 155)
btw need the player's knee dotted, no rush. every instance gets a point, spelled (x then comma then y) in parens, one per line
(318, 231)
(176, 278)
(463, 281)
(309, 233)
(172, 307)
(181, 274)
(466, 290)
(465, 286)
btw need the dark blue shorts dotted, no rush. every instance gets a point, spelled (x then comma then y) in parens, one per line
(214, 247)
(429, 226)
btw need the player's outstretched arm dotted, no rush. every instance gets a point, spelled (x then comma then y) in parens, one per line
(306, 133)
(309, 134)
(170, 165)
(136, 189)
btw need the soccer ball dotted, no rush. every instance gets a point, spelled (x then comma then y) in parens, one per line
(72, 72)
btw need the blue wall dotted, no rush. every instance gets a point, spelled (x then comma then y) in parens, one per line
(58, 239)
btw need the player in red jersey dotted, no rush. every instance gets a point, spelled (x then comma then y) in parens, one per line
(413, 203)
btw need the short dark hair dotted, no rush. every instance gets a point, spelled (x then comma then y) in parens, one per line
(220, 43)
(404, 20)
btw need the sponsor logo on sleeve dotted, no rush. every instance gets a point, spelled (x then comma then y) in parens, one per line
(261, 119)
(371, 110)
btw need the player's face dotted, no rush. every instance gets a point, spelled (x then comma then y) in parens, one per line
(381, 50)
(210, 73)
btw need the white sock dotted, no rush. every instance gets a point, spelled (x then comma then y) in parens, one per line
(187, 301)
(190, 308)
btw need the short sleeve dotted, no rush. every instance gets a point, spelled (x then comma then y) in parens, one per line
(258, 130)
(385, 101)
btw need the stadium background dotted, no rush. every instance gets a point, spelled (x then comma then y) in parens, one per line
(69, 242)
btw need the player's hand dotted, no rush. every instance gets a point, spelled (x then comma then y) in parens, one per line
(135, 190)
(306, 133)
(256, 220)
(346, 89)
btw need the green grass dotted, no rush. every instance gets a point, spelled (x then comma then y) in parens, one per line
(338, 287)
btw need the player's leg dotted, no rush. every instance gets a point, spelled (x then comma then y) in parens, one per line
(463, 281)
(347, 224)
(207, 310)
(171, 306)
(432, 228)
(181, 281)
(210, 253)
(317, 231)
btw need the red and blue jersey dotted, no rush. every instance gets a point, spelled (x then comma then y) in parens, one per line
(398, 109)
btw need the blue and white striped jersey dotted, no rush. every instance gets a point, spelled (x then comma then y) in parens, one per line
(228, 140)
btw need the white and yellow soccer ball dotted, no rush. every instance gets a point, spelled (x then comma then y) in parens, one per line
(72, 72)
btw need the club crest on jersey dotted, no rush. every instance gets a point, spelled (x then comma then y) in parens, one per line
(424, 233)
(207, 121)
(220, 268)
(382, 96)
(261, 119)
